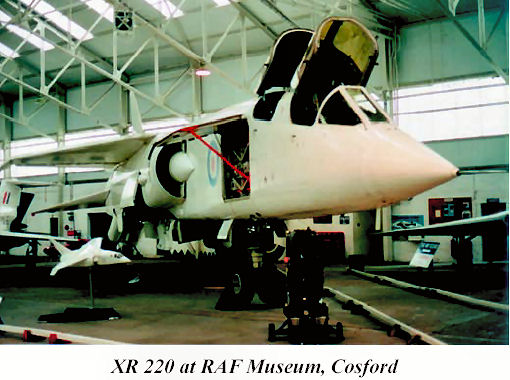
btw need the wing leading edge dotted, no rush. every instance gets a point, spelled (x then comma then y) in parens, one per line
(33, 236)
(103, 154)
(94, 200)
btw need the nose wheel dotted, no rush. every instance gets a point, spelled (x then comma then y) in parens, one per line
(239, 289)
(251, 267)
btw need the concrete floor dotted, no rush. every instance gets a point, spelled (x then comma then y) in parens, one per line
(169, 307)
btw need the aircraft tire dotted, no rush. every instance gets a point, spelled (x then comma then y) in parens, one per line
(239, 290)
(271, 332)
(272, 287)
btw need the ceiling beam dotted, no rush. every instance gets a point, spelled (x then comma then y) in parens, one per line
(194, 57)
(279, 12)
(244, 10)
(473, 42)
(67, 40)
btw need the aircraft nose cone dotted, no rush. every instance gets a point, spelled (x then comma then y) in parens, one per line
(412, 168)
(124, 259)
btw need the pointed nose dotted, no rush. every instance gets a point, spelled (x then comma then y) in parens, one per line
(124, 259)
(411, 168)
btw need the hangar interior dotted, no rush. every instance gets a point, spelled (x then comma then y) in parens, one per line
(442, 77)
(73, 71)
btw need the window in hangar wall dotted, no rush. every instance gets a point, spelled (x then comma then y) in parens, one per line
(455, 109)
(31, 146)
(92, 136)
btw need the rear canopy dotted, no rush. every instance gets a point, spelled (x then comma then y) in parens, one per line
(342, 52)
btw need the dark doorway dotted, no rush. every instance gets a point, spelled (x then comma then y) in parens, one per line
(99, 222)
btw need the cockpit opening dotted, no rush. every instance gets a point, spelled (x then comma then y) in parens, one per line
(366, 104)
(286, 56)
(347, 105)
(336, 110)
(343, 52)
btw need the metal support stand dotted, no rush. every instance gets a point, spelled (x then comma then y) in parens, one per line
(91, 289)
(307, 315)
(1, 321)
(82, 314)
(31, 254)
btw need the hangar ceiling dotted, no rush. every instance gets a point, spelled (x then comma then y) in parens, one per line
(406, 12)
(40, 57)
(203, 32)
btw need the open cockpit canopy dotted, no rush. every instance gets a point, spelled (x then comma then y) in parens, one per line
(342, 52)
(286, 56)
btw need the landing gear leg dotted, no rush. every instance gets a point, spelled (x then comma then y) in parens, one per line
(252, 260)
(462, 252)
(1, 321)
(307, 317)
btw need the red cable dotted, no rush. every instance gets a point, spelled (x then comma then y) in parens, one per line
(192, 131)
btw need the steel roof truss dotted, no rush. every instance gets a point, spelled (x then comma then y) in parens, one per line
(473, 42)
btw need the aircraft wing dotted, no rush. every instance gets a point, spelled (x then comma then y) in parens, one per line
(27, 183)
(463, 227)
(33, 236)
(94, 200)
(68, 263)
(103, 154)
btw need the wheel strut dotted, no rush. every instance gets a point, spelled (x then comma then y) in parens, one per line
(307, 316)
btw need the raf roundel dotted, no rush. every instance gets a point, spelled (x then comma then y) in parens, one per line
(213, 164)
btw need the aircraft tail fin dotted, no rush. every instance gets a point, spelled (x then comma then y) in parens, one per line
(10, 195)
(63, 250)
(24, 203)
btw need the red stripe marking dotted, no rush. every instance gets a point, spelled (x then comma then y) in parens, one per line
(192, 131)
(5, 197)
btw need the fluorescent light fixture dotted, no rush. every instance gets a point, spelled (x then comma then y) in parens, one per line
(101, 7)
(26, 35)
(63, 22)
(7, 51)
(202, 72)
(222, 3)
(166, 8)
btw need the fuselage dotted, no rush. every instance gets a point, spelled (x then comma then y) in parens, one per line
(299, 171)
(313, 143)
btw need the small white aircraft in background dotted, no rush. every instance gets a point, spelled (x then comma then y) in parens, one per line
(314, 143)
(88, 255)
(14, 204)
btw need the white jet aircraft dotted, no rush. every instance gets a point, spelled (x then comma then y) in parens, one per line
(314, 143)
(88, 255)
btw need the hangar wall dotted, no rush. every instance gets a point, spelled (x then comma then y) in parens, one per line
(463, 153)
(427, 53)
(437, 50)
